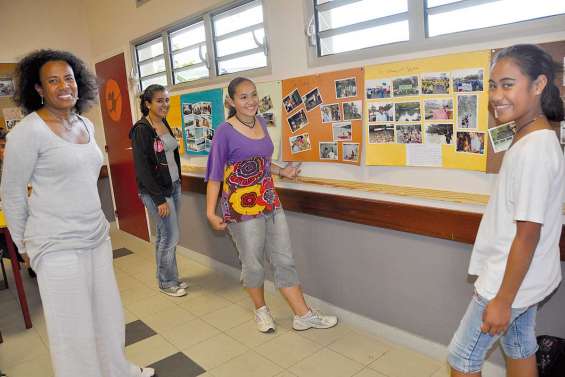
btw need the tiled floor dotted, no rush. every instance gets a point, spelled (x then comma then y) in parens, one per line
(208, 333)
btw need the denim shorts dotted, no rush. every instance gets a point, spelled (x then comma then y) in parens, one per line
(264, 237)
(469, 346)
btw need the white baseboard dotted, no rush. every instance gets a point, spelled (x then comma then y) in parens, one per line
(392, 334)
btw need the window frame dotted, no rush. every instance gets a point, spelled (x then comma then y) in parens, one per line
(211, 62)
(419, 42)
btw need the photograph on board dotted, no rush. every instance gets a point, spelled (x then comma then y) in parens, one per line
(330, 113)
(346, 88)
(438, 109)
(350, 152)
(471, 142)
(381, 133)
(468, 80)
(300, 143)
(407, 111)
(405, 86)
(328, 150)
(408, 133)
(440, 133)
(435, 83)
(378, 88)
(467, 110)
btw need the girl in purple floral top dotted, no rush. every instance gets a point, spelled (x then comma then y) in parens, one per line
(240, 158)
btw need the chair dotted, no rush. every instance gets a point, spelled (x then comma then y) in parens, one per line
(3, 273)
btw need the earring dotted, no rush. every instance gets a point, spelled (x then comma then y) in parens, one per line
(41, 100)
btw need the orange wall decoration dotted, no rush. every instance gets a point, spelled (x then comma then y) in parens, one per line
(304, 112)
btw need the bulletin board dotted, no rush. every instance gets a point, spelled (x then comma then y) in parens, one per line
(10, 114)
(270, 103)
(322, 117)
(428, 112)
(175, 121)
(557, 51)
(201, 113)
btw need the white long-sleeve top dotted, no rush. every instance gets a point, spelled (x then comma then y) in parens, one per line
(63, 211)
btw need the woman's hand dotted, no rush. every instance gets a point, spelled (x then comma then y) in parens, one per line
(290, 171)
(217, 222)
(164, 210)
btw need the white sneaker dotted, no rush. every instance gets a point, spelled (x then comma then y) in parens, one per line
(313, 319)
(182, 284)
(173, 291)
(147, 372)
(264, 320)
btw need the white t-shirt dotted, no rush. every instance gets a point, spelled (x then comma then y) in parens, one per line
(530, 187)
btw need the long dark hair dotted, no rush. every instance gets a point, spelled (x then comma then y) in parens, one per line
(534, 61)
(232, 87)
(27, 76)
(147, 95)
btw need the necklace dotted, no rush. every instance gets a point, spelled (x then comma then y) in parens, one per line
(246, 124)
(67, 122)
(526, 124)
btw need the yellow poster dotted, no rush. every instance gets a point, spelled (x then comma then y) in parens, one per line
(175, 121)
(428, 112)
(270, 105)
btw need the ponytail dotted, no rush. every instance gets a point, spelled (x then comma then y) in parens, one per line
(533, 62)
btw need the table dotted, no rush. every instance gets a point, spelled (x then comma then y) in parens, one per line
(15, 270)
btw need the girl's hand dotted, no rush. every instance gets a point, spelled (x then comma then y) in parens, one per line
(290, 171)
(217, 222)
(164, 210)
(496, 317)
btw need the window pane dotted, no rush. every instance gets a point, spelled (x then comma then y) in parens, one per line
(239, 43)
(375, 36)
(492, 14)
(161, 79)
(189, 57)
(230, 22)
(243, 63)
(360, 11)
(154, 66)
(435, 3)
(188, 36)
(150, 49)
(191, 74)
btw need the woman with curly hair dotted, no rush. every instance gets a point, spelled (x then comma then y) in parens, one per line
(61, 226)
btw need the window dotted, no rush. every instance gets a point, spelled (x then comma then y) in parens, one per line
(346, 25)
(450, 16)
(151, 63)
(189, 53)
(239, 38)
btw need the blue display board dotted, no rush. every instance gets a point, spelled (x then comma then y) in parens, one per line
(201, 113)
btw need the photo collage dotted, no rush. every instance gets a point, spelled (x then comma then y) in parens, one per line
(427, 108)
(336, 116)
(11, 115)
(197, 121)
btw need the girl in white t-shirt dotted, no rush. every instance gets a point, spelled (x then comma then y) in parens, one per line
(516, 252)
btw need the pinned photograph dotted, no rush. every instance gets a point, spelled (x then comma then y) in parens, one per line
(265, 104)
(346, 88)
(381, 133)
(186, 109)
(471, 142)
(501, 136)
(381, 112)
(210, 134)
(407, 111)
(467, 110)
(202, 120)
(196, 132)
(300, 143)
(6, 87)
(438, 109)
(441, 133)
(352, 110)
(177, 132)
(269, 119)
(312, 99)
(435, 83)
(200, 144)
(378, 88)
(330, 113)
(351, 152)
(342, 131)
(191, 144)
(291, 101)
(10, 123)
(328, 150)
(408, 133)
(405, 86)
(468, 80)
(298, 121)
(202, 108)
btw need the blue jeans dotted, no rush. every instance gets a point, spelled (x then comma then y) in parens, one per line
(469, 346)
(168, 234)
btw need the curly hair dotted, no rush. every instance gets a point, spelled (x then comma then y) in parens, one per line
(27, 76)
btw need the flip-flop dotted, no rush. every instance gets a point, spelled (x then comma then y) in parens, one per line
(148, 372)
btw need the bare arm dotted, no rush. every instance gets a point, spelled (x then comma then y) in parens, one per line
(290, 171)
(212, 192)
(496, 317)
